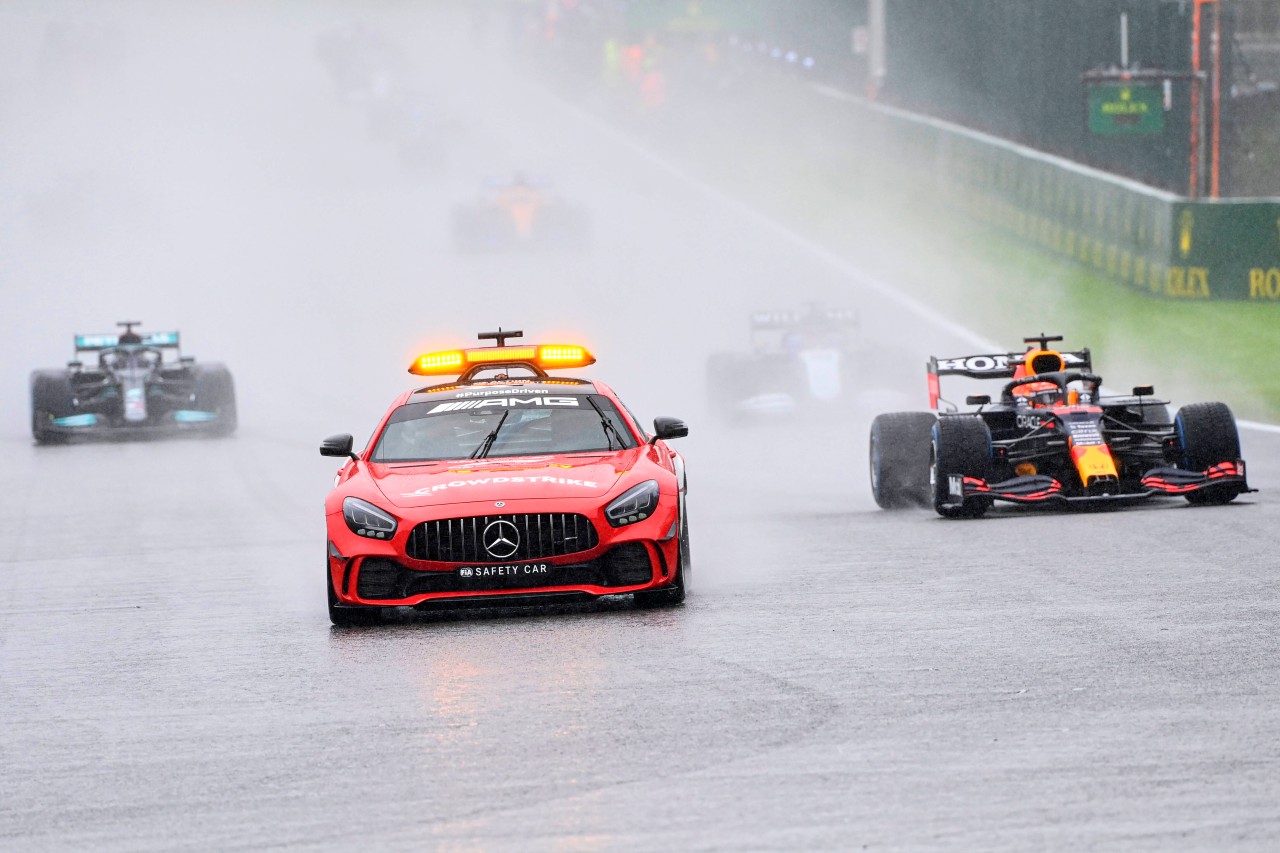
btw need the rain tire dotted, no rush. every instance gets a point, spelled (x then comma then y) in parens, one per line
(215, 392)
(899, 460)
(960, 445)
(51, 397)
(1207, 435)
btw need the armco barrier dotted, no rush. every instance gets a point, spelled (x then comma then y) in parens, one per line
(1154, 241)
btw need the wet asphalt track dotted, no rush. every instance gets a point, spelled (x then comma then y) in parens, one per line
(841, 677)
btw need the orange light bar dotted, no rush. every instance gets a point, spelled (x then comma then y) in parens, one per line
(562, 355)
(544, 356)
(501, 355)
(439, 363)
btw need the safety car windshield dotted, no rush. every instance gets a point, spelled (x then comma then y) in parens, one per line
(533, 424)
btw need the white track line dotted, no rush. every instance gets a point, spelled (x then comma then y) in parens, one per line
(838, 262)
(832, 259)
(1259, 427)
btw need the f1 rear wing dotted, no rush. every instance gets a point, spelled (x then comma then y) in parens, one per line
(762, 321)
(91, 343)
(993, 366)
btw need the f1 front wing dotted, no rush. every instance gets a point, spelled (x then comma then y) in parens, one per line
(1042, 489)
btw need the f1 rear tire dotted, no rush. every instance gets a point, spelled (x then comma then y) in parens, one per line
(1207, 435)
(960, 446)
(900, 459)
(1154, 414)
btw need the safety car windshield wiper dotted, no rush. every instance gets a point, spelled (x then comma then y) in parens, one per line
(610, 431)
(483, 449)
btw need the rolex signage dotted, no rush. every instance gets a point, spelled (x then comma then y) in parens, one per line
(1124, 109)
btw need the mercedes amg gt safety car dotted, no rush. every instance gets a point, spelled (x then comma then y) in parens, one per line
(520, 214)
(798, 359)
(1051, 438)
(137, 385)
(506, 485)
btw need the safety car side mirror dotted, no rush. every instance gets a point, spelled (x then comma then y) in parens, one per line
(338, 445)
(665, 427)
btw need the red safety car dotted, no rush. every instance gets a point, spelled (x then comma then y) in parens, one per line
(506, 486)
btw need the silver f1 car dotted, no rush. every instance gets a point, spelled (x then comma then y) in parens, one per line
(131, 390)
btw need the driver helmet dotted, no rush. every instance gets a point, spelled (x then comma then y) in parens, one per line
(1040, 394)
(1043, 399)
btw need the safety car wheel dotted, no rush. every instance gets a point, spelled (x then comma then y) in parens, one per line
(900, 459)
(1207, 435)
(674, 594)
(51, 398)
(344, 615)
(215, 392)
(959, 446)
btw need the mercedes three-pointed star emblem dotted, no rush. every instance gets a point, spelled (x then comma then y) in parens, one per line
(501, 538)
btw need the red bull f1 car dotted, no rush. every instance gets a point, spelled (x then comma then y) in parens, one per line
(1051, 438)
(135, 385)
(506, 485)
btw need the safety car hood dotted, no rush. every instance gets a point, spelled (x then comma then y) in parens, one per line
(576, 475)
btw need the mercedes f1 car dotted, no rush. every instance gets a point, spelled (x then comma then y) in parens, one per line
(1051, 438)
(505, 486)
(797, 359)
(520, 214)
(131, 390)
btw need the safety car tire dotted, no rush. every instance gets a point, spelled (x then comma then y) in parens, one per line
(674, 594)
(345, 615)
(51, 397)
(1207, 435)
(899, 459)
(959, 445)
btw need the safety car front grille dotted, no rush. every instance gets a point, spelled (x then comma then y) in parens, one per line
(537, 537)
(382, 579)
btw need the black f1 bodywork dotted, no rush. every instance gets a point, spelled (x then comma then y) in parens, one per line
(1051, 438)
(798, 360)
(131, 390)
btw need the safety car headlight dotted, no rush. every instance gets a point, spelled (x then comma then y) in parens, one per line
(635, 504)
(365, 519)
